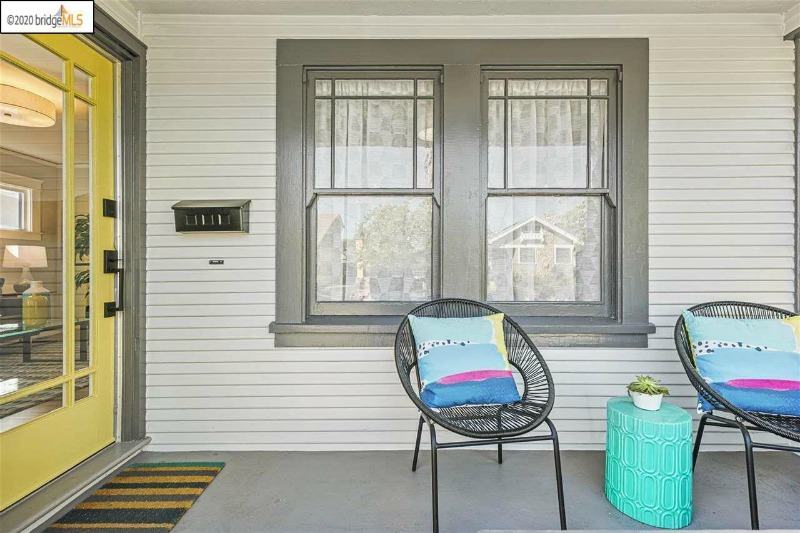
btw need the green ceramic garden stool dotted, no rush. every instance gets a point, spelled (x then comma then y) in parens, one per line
(649, 463)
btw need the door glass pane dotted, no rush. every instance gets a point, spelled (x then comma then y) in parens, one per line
(524, 236)
(424, 143)
(84, 387)
(22, 410)
(35, 55)
(31, 151)
(547, 87)
(374, 143)
(83, 81)
(373, 248)
(82, 203)
(27, 101)
(547, 143)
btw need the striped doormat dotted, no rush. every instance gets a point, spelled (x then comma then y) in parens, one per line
(145, 497)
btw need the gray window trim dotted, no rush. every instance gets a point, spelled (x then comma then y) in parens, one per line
(462, 63)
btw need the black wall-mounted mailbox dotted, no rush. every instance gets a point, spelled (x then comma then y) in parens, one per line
(231, 216)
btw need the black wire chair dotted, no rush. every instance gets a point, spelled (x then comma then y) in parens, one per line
(490, 424)
(787, 427)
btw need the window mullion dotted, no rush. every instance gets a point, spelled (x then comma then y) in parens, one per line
(463, 216)
(414, 138)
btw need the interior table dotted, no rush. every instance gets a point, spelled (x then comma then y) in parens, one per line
(19, 331)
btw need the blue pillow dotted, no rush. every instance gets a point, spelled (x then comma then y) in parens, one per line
(463, 361)
(754, 364)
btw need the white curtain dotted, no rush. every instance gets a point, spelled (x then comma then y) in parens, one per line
(374, 138)
(547, 143)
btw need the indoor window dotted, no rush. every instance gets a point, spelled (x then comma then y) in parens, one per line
(12, 208)
(19, 207)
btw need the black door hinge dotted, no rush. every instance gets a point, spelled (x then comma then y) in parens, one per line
(109, 208)
(110, 309)
(111, 262)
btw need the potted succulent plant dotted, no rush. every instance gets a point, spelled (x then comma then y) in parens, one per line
(647, 393)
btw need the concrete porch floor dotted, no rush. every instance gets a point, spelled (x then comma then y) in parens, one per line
(376, 491)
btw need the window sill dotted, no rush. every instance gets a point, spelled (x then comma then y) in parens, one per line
(379, 331)
(19, 235)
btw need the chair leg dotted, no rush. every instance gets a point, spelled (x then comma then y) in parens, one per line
(499, 426)
(434, 481)
(751, 475)
(562, 511)
(416, 448)
(697, 439)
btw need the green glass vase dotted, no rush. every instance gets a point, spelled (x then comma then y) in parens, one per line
(35, 306)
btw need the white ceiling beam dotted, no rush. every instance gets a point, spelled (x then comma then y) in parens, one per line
(791, 22)
(459, 7)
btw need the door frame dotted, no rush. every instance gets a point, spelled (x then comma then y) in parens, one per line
(131, 53)
(56, 497)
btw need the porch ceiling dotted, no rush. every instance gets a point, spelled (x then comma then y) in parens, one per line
(460, 7)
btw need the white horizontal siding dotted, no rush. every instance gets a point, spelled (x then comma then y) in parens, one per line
(721, 225)
(123, 12)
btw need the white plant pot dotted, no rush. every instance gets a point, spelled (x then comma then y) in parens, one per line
(648, 402)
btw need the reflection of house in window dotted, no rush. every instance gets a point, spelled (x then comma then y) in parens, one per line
(526, 255)
(343, 276)
(373, 253)
(331, 258)
(533, 260)
(564, 254)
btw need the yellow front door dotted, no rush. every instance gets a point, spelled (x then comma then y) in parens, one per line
(56, 347)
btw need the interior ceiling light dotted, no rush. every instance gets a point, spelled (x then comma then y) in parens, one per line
(24, 108)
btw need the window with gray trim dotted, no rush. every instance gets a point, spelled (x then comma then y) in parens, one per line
(372, 177)
(550, 145)
(495, 170)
